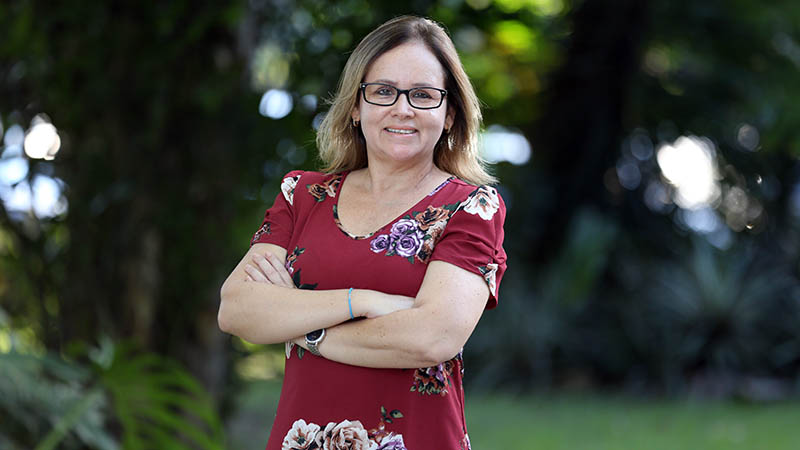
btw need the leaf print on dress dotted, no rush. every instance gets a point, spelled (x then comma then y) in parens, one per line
(289, 264)
(387, 440)
(483, 201)
(290, 260)
(321, 191)
(434, 379)
(287, 187)
(489, 272)
(414, 235)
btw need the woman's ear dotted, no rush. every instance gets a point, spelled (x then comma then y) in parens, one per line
(449, 118)
(355, 115)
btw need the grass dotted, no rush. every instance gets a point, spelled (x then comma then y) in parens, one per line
(600, 422)
(568, 421)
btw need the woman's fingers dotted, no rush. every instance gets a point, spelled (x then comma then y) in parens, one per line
(266, 269)
(277, 264)
(273, 270)
(254, 274)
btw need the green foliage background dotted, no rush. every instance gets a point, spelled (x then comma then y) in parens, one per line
(167, 167)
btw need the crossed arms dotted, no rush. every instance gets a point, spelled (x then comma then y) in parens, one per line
(260, 304)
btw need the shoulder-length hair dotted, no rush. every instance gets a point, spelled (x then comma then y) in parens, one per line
(342, 145)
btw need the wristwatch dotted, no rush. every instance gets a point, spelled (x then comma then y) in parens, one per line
(313, 339)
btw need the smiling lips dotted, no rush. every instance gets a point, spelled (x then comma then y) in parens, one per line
(401, 130)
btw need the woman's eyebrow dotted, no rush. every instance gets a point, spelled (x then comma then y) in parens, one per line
(393, 83)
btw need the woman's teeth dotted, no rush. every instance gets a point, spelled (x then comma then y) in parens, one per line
(395, 130)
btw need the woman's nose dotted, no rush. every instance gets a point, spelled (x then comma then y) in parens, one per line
(403, 105)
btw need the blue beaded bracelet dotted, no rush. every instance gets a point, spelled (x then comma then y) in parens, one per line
(350, 302)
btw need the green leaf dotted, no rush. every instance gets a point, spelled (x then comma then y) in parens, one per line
(70, 420)
(396, 414)
(383, 411)
(300, 352)
(159, 405)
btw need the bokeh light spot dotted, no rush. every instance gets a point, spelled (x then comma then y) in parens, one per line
(641, 146)
(748, 137)
(541, 7)
(13, 170)
(628, 174)
(316, 122)
(42, 140)
(479, 4)
(47, 199)
(516, 37)
(309, 102)
(275, 104)
(44, 197)
(469, 39)
(270, 67)
(657, 198)
(690, 165)
(500, 144)
(14, 138)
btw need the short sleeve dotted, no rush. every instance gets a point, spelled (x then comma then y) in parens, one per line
(473, 238)
(279, 219)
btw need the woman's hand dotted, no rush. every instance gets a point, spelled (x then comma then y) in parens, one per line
(267, 268)
(385, 304)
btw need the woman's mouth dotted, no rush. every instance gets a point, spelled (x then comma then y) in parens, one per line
(401, 130)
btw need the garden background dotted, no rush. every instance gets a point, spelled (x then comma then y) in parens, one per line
(649, 156)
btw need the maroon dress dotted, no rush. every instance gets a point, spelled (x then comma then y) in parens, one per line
(326, 404)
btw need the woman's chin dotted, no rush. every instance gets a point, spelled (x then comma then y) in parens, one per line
(406, 154)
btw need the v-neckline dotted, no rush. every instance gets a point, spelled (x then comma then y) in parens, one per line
(400, 216)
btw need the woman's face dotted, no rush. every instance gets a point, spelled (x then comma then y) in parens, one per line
(400, 132)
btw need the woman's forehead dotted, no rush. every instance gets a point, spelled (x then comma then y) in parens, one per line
(410, 64)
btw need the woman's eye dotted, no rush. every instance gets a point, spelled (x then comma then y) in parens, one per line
(385, 92)
(422, 95)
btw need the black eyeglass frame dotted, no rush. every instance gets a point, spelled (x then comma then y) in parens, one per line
(363, 87)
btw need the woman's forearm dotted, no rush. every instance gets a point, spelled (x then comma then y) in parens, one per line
(403, 339)
(263, 313)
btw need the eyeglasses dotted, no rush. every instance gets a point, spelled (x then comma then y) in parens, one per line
(386, 95)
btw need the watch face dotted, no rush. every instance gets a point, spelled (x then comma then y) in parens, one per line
(314, 335)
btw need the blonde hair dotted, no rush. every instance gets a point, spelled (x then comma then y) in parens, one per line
(342, 146)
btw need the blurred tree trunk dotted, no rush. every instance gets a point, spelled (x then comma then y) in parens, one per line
(150, 101)
(581, 131)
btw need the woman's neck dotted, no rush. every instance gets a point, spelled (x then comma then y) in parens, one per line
(379, 179)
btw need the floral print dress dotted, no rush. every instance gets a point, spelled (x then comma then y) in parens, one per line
(332, 406)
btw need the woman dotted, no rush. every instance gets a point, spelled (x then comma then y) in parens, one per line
(396, 249)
